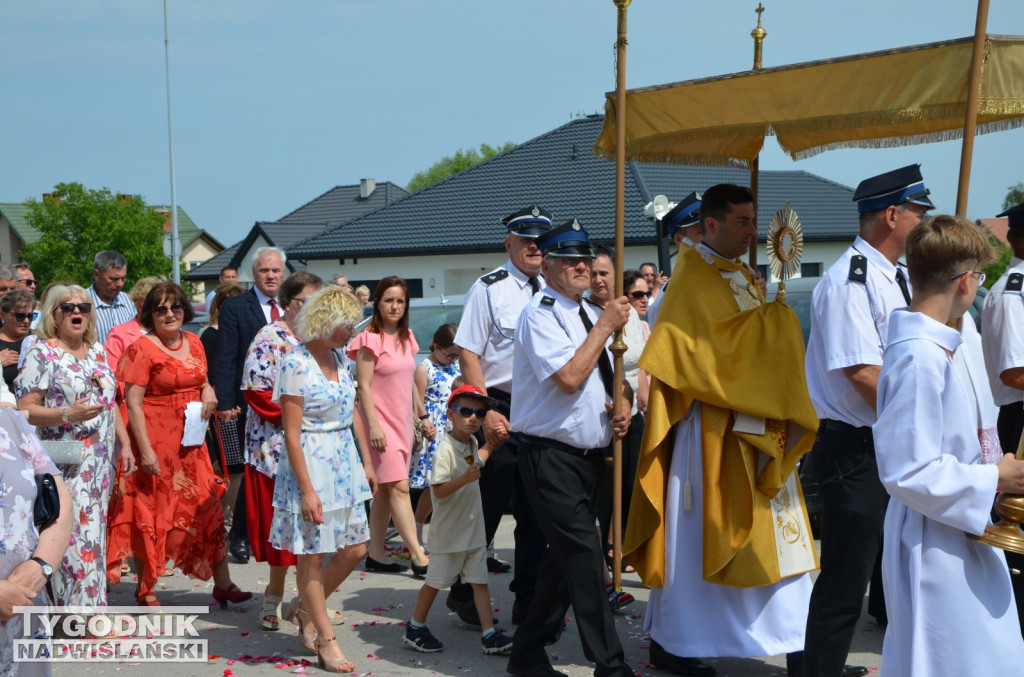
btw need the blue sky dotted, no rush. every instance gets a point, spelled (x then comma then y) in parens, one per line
(275, 102)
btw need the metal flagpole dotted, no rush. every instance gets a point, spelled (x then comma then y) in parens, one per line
(618, 347)
(758, 34)
(175, 242)
(971, 119)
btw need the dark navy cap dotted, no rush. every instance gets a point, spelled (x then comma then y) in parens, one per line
(529, 222)
(892, 188)
(683, 215)
(569, 240)
(1015, 216)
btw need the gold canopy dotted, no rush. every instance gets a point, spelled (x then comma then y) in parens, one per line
(881, 99)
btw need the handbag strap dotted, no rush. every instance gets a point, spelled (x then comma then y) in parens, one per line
(220, 447)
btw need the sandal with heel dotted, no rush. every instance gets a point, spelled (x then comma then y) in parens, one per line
(270, 613)
(309, 643)
(333, 615)
(342, 664)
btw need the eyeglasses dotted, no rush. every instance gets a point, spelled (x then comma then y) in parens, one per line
(640, 294)
(469, 411)
(28, 283)
(177, 309)
(21, 317)
(299, 301)
(68, 308)
(981, 275)
(452, 356)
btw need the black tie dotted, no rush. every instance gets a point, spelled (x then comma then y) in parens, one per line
(604, 365)
(534, 284)
(901, 280)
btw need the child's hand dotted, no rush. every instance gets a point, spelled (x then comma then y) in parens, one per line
(1011, 475)
(472, 473)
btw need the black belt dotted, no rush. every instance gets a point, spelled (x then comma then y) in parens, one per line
(841, 427)
(555, 444)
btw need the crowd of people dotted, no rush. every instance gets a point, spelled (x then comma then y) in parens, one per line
(321, 440)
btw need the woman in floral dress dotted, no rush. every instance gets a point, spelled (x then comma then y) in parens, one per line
(67, 390)
(433, 379)
(264, 437)
(25, 549)
(321, 481)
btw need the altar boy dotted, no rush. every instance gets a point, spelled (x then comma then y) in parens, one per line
(950, 605)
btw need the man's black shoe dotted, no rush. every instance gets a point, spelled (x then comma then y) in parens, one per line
(466, 611)
(238, 548)
(497, 566)
(537, 670)
(795, 666)
(690, 667)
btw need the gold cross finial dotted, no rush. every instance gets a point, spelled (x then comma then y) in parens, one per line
(759, 10)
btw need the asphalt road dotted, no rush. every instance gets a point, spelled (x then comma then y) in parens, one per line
(375, 607)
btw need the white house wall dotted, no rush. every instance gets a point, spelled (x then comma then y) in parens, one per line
(450, 274)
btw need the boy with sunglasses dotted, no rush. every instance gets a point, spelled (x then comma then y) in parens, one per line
(458, 545)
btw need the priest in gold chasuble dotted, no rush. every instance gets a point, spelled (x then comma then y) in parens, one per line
(718, 525)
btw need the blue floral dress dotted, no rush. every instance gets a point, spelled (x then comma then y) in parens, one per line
(435, 400)
(332, 460)
(81, 579)
(21, 459)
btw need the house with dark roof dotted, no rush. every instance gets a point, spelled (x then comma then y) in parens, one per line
(338, 205)
(15, 232)
(443, 237)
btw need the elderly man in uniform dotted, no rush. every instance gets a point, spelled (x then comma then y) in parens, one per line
(562, 413)
(849, 323)
(717, 524)
(485, 334)
(1002, 339)
(682, 225)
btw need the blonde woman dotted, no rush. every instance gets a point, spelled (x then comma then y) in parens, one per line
(321, 481)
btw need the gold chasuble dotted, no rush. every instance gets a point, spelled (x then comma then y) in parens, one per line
(718, 343)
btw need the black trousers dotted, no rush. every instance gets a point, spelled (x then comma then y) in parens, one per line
(1009, 426)
(561, 485)
(500, 482)
(630, 459)
(853, 503)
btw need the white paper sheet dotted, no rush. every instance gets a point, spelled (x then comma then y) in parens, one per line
(195, 426)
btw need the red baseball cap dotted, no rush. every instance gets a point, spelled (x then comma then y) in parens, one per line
(471, 391)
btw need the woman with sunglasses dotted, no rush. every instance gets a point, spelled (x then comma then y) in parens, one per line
(433, 378)
(170, 509)
(16, 308)
(385, 355)
(67, 391)
(637, 291)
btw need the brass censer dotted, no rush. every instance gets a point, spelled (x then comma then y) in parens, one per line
(1007, 532)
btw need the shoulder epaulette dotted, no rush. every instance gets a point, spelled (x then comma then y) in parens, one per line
(496, 276)
(1015, 282)
(547, 300)
(858, 268)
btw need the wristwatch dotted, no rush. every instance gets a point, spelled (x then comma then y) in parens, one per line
(64, 414)
(424, 417)
(47, 569)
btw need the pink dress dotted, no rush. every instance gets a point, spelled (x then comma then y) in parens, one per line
(392, 396)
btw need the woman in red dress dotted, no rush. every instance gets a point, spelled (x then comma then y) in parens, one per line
(169, 509)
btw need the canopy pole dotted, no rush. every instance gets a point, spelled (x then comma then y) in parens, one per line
(758, 34)
(618, 347)
(971, 119)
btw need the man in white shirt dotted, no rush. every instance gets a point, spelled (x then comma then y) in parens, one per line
(113, 306)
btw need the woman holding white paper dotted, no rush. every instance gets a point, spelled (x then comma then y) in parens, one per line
(169, 509)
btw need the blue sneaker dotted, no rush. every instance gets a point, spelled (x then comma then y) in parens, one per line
(496, 642)
(421, 639)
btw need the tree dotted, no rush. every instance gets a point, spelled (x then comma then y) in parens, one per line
(1014, 197)
(75, 223)
(448, 165)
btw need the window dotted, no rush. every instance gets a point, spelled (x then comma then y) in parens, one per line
(810, 270)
